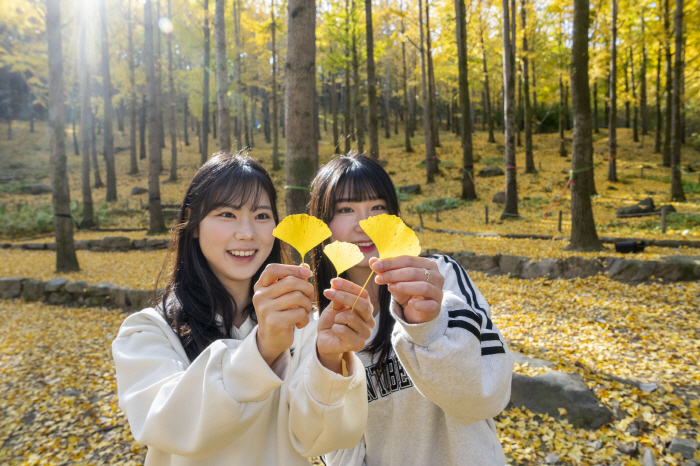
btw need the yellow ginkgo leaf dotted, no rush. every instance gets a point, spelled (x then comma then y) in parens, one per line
(302, 232)
(343, 255)
(391, 236)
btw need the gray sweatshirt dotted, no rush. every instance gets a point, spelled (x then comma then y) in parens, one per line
(432, 402)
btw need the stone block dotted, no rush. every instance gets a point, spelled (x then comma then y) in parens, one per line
(35, 246)
(76, 287)
(55, 284)
(100, 289)
(81, 245)
(51, 246)
(116, 243)
(631, 271)
(685, 447)
(10, 287)
(410, 189)
(578, 267)
(490, 171)
(511, 264)
(156, 243)
(33, 290)
(141, 299)
(59, 297)
(138, 244)
(549, 268)
(118, 296)
(481, 263)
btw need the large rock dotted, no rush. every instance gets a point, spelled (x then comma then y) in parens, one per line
(631, 271)
(410, 189)
(35, 189)
(81, 245)
(33, 290)
(552, 390)
(118, 296)
(100, 289)
(55, 284)
(10, 288)
(499, 197)
(549, 268)
(76, 287)
(138, 243)
(156, 243)
(521, 359)
(487, 172)
(578, 267)
(138, 190)
(685, 447)
(511, 264)
(116, 243)
(35, 246)
(141, 299)
(678, 269)
(59, 297)
(645, 206)
(480, 263)
(462, 256)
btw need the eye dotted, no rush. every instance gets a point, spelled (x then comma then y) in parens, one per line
(227, 215)
(344, 210)
(378, 207)
(263, 216)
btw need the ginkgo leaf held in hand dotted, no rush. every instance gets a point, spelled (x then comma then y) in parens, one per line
(343, 255)
(302, 232)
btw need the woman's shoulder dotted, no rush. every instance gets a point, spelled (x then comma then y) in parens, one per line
(146, 320)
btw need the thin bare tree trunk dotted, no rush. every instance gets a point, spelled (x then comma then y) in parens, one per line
(669, 87)
(627, 100)
(275, 119)
(134, 166)
(334, 111)
(430, 156)
(511, 207)
(239, 85)
(371, 85)
(634, 99)
(643, 85)
(406, 104)
(186, 119)
(66, 259)
(562, 124)
(529, 158)
(88, 220)
(534, 98)
(173, 102)
(224, 118)
(583, 232)
(612, 126)
(93, 151)
(677, 193)
(657, 138)
(301, 160)
(489, 113)
(468, 188)
(359, 114)
(432, 105)
(204, 137)
(108, 138)
(157, 223)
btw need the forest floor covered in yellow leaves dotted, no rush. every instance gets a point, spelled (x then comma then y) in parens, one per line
(60, 407)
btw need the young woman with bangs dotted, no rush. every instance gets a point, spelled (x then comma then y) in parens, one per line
(437, 368)
(228, 368)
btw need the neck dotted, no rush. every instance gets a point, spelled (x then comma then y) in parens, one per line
(359, 275)
(240, 291)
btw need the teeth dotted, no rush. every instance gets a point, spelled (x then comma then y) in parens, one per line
(364, 245)
(243, 253)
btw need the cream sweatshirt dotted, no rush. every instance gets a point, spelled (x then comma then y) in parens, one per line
(228, 407)
(432, 401)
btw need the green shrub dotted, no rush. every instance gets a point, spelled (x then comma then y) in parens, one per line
(431, 205)
(491, 161)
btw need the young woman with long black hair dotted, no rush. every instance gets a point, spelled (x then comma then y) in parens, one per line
(228, 368)
(437, 368)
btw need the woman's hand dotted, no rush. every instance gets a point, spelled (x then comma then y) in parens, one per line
(282, 300)
(340, 330)
(414, 282)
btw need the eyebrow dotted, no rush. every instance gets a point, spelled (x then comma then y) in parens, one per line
(230, 206)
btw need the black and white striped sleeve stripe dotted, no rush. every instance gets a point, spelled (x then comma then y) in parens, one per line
(474, 319)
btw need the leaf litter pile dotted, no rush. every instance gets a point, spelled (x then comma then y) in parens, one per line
(59, 402)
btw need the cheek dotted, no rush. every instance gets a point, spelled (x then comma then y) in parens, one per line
(340, 227)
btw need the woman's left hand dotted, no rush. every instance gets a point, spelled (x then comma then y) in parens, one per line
(414, 282)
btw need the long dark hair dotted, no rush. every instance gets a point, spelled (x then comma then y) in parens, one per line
(194, 296)
(357, 178)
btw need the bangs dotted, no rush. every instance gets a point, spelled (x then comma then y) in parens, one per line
(360, 183)
(238, 191)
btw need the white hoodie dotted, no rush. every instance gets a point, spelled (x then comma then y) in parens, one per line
(228, 407)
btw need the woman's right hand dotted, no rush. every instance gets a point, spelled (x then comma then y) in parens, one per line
(282, 300)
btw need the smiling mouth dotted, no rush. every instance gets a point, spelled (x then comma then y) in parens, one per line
(366, 244)
(242, 254)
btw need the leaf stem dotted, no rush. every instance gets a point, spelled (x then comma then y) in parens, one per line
(363, 287)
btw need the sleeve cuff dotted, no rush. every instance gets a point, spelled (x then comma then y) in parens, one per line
(324, 385)
(246, 375)
(421, 334)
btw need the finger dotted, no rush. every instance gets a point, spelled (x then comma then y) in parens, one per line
(424, 289)
(287, 319)
(348, 286)
(351, 341)
(304, 322)
(356, 323)
(274, 272)
(407, 274)
(291, 300)
(346, 299)
(402, 262)
(425, 306)
(288, 285)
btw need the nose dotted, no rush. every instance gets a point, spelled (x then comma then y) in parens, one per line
(244, 230)
(364, 214)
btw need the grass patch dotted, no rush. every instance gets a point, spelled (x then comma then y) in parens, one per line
(446, 203)
(491, 161)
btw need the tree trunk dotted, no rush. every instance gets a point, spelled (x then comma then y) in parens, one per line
(669, 88)
(430, 156)
(334, 111)
(643, 85)
(627, 100)
(301, 159)
(468, 188)
(359, 117)
(534, 99)
(275, 118)
(529, 158)
(583, 233)
(677, 194)
(66, 259)
(265, 107)
(253, 105)
(108, 138)
(562, 124)
(157, 223)
(387, 96)
(74, 112)
(239, 84)
(432, 104)
(186, 120)
(596, 129)
(511, 207)
(406, 104)
(204, 154)
(246, 132)
(120, 116)
(142, 128)
(224, 119)
(134, 168)
(93, 151)
(88, 220)
(657, 138)
(612, 125)
(173, 102)
(486, 83)
(635, 119)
